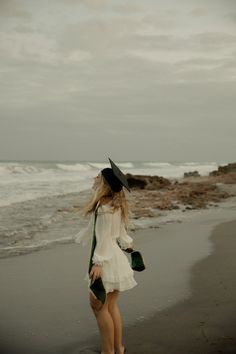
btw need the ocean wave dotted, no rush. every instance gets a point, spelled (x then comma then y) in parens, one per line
(157, 164)
(24, 249)
(73, 167)
(125, 164)
(199, 164)
(21, 181)
(99, 165)
(10, 168)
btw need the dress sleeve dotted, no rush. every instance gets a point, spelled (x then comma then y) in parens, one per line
(124, 240)
(84, 235)
(104, 246)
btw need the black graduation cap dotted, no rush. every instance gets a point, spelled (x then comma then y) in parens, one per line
(115, 177)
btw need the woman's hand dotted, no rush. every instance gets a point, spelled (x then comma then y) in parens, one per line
(95, 272)
(131, 245)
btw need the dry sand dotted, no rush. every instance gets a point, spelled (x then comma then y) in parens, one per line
(44, 307)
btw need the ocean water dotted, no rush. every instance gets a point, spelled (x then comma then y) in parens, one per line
(34, 197)
(21, 181)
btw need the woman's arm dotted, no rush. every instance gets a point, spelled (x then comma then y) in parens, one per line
(84, 234)
(104, 247)
(125, 241)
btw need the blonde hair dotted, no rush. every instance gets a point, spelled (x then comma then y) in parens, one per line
(102, 193)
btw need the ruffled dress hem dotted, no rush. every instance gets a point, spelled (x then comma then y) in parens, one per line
(122, 285)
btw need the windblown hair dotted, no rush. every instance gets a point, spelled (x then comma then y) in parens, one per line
(103, 193)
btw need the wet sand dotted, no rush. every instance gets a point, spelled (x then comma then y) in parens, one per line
(206, 322)
(44, 307)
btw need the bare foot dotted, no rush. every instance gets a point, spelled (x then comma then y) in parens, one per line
(121, 351)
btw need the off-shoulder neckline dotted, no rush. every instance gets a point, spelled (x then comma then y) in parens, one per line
(107, 206)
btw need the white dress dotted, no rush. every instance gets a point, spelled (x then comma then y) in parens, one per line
(110, 229)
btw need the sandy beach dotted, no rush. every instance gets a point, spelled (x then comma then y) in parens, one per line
(189, 306)
(204, 323)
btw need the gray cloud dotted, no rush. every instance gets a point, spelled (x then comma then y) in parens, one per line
(231, 16)
(13, 8)
(199, 11)
(128, 8)
(103, 72)
(91, 5)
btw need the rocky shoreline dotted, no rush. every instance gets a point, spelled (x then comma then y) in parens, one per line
(152, 194)
(193, 192)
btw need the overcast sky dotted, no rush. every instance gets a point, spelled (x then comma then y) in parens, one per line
(151, 80)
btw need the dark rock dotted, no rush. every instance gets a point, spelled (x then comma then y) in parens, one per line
(231, 167)
(135, 182)
(192, 174)
(147, 182)
(175, 207)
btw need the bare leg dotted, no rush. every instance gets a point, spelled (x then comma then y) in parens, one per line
(115, 314)
(105, 324)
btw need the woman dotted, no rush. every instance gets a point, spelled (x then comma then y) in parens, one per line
(109, 261)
